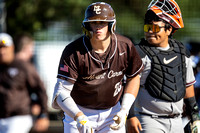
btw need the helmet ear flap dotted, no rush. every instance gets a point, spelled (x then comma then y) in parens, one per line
(86, 29)
(111, 26)
(86, 25)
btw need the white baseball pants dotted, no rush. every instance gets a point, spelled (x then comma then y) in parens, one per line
(16, 124)
(100, 119)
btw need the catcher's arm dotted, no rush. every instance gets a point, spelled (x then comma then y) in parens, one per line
(192, 109)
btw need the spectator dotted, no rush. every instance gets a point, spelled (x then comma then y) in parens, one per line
(19, 81)
(24, 47)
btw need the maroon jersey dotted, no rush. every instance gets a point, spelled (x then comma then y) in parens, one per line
(18, 81)
(97, 77)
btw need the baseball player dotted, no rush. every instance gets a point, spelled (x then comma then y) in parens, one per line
(18, 81)
(24, 50)
(167, 79)
(24, 47)
(90, 75)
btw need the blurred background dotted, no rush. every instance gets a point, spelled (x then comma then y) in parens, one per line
(55, 23)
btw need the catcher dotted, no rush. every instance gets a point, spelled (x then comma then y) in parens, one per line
(167, 80)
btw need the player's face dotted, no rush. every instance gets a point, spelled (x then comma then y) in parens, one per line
(27, 51)
(6, 54)
(159, 39)
(100, 30)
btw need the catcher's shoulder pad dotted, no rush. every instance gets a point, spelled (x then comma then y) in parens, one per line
(139, 50)
(181, 45)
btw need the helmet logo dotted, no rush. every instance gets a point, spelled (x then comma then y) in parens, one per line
(97, 9)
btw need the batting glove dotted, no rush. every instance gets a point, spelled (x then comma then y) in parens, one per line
(83, 124)
(195, 126)
(120, 120)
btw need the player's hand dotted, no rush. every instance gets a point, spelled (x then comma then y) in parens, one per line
(83, 124)
(120, 120)
(195, 126)
(133, 125)
(41, 124)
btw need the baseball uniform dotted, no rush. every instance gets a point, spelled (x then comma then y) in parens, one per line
(97, 78)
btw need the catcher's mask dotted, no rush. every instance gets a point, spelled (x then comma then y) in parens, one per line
(167, 10)
(99, 11)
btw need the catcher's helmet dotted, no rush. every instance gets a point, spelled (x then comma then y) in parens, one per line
(167, 10)
(99, 11)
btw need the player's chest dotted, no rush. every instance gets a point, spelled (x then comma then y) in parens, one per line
(93, 69)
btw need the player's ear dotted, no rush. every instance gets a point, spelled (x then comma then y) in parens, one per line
(169, 30)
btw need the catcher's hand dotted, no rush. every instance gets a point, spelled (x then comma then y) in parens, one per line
(195, 126)
(120, 120)
(83, 124)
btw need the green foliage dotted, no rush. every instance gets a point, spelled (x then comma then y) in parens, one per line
(34, 15)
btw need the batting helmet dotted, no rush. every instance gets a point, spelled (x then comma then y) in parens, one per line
(99, 11)
(167, 10)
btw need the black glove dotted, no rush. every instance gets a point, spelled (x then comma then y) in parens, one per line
(193, 111)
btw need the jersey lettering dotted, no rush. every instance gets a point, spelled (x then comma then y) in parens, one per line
(91, 77)
(113, 74)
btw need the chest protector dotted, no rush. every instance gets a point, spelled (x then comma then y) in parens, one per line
(167, 79)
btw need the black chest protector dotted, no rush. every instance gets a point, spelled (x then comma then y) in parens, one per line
(167, 79)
